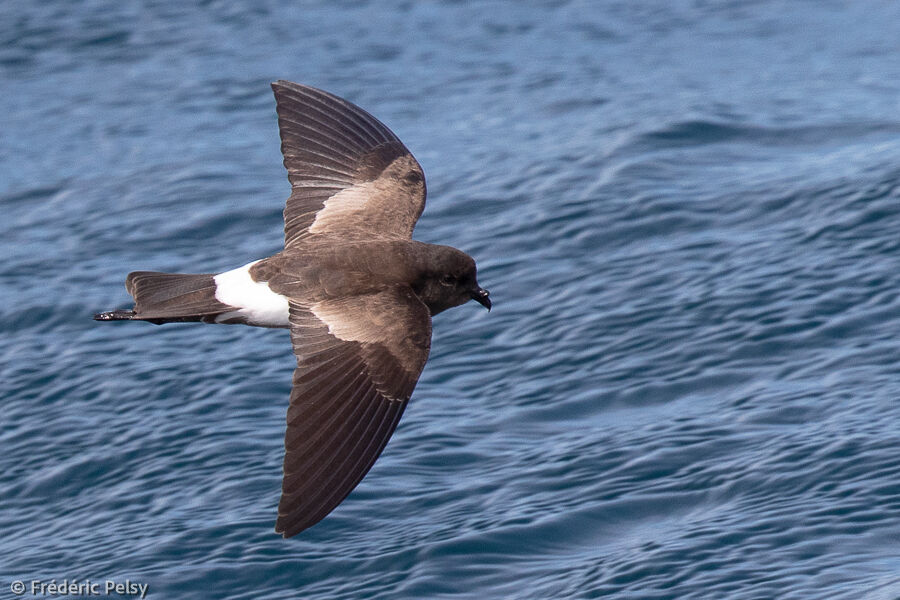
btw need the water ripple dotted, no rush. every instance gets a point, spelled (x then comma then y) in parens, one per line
(687, 216)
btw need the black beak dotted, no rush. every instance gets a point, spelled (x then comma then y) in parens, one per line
(482, 297)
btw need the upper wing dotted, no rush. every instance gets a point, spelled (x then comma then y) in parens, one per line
(358, 360)
(350, 175)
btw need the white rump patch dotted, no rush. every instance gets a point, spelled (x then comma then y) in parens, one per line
(258, 304)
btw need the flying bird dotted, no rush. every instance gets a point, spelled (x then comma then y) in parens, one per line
(355, 290)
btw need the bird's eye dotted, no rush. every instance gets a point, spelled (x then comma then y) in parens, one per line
(448, 279)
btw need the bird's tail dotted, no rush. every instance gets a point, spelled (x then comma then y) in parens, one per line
(169, 298)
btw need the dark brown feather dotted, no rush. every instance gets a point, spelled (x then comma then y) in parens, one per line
(358, 361)
(165, 297)
(361, 294)
(335, 150)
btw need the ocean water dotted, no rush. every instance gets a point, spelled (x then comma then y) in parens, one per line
(687, 213)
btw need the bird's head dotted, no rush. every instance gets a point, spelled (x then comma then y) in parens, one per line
(449, 279)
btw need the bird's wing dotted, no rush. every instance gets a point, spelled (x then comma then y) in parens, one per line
(350, 175)
(358, 360)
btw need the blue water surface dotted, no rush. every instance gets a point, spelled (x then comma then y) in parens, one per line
(688, 215)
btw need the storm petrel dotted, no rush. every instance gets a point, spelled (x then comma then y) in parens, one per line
(355, 290)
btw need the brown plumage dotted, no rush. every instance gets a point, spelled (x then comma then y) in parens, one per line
(355, 290)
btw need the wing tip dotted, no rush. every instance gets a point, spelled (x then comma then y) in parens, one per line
(280, 528)
(289, 530)
(283, 85)
(284, 532)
